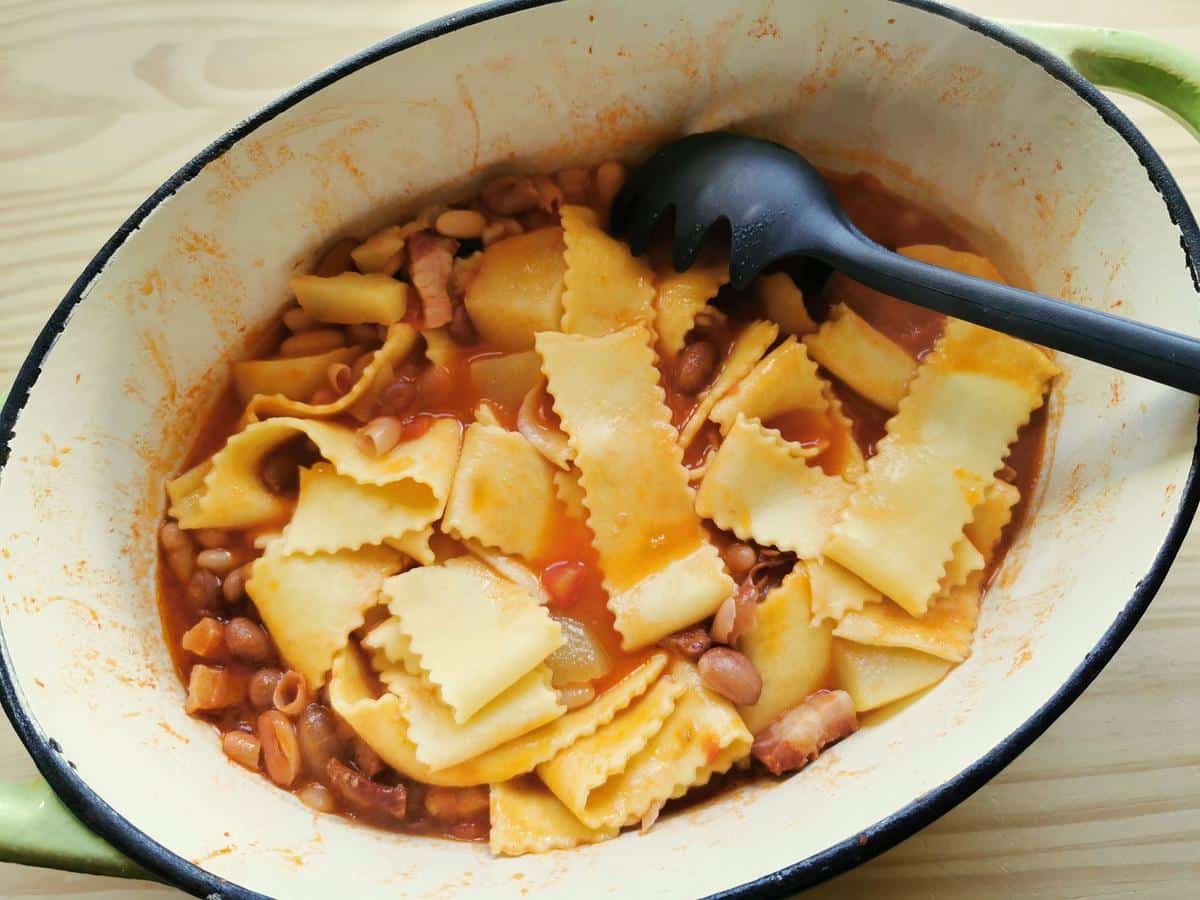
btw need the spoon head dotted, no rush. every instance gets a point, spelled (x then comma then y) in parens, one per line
(775, 202)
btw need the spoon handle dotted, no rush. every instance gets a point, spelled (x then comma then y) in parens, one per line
(1164, 356)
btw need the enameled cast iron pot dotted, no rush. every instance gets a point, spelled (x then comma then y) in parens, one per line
(955, 112)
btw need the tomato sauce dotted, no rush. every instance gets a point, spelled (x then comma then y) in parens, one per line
(570, 557)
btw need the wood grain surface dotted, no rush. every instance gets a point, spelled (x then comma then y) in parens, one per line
(100, 101)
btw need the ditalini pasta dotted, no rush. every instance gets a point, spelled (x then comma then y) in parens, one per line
(514, 536)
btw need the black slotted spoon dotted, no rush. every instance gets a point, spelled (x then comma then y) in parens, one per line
(778, 206)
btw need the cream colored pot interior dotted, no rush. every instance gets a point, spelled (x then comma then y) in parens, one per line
(942, 114)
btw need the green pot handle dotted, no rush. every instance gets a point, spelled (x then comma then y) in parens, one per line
(1129, 63)
(36, 829)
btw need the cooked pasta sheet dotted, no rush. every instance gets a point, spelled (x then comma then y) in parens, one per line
(441, 742)
(226, 492)
(607, 288)
(701, 736)
(869, 362)
(510, 632)
(947, 628)
(959, 260)
(763, 488)
(784, 303)
(786, 381)
(682, 299)
(945, 631)
(747, 350)
(877, 676)
(527, 818)
(607, 395)
(965, 558)
(519, 289)
(415, 545)
(383, 251)
(311, 603)
(292, 377)
(379, 720)
(585, 766)
(790, 652)
(837, 591)
(570, 493)
(523, 754)
(503, 493)
(334, 512)
(400, 342)
(783, 381)
(510, 567)
(953, 430)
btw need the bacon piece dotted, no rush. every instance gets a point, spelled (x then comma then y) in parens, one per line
(363, 795)
(797, 737)
(430, 262)
(690, 644)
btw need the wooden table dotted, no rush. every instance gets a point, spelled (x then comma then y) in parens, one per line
(101, 101)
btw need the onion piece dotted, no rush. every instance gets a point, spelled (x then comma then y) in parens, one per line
(581, 658)
(547, 440)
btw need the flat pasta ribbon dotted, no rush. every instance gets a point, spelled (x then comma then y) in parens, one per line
(400, 341)
(526, 818)
(970, 397)
(607, 288)
(335, 512)
(747, 350)
(311, 603)
(702, 736)
(947, 628)
(837, 591)
(868, 361)
(786, 381)
(570, 493)
(682, 298)
(585, 766)
(764, 489)
(508, 632)
(295, 377)
(442, 742)
(379, 722)
(225, 491)
(660, 571)
(503, 493)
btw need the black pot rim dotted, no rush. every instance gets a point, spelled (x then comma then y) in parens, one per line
(105, 821)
